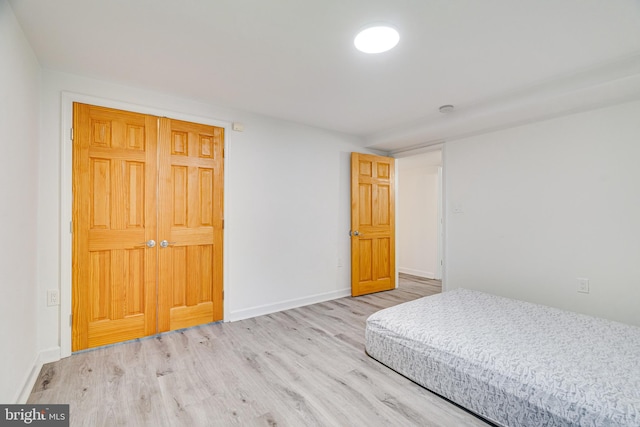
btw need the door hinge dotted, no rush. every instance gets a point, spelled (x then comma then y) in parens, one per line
(71, 320)
(71, 134)
(223, 224)
(70, 227)
(223, 295)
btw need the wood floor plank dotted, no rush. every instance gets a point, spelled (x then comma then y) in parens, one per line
(305, 366)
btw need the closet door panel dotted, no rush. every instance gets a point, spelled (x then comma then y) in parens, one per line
(190, 224)
(114, 214)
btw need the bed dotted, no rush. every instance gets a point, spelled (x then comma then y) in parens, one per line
(511, 362)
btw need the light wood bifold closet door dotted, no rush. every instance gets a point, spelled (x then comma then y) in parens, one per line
(147, 225)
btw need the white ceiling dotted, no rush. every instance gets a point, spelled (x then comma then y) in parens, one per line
(497, 61)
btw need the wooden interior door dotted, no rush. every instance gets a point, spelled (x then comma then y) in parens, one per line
(114, 214)
(147, 225)
(190, 224)
(373, 259)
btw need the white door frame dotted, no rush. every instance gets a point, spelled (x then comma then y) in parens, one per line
(439, 251)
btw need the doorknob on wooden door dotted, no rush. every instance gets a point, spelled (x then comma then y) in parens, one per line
(150, 243)
(165, 243)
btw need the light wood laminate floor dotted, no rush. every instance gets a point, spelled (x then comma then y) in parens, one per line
(300, 367)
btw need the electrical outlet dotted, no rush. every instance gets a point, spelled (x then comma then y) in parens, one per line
(53, 297)
(583, 285)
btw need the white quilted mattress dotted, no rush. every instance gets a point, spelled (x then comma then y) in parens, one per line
(512, 362)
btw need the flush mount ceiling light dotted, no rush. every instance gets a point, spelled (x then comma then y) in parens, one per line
(444, 109)
(376, 39)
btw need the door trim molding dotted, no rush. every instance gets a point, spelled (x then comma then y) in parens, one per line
(66, 195)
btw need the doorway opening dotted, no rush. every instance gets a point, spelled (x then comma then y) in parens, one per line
(420, 214)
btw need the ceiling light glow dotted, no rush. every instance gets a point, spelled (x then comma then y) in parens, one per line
(376, 39)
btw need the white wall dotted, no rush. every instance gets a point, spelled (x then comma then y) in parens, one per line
(417, 218)
(19, 118)
(287, 203)
(546, 203)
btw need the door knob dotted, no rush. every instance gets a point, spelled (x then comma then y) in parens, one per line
(165, 244)
(150, 243)
(355, 233)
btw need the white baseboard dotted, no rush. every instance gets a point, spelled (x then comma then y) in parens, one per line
(261, 310)
(28, 382)
(419, 273)
(50, 355)
(45, 356)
